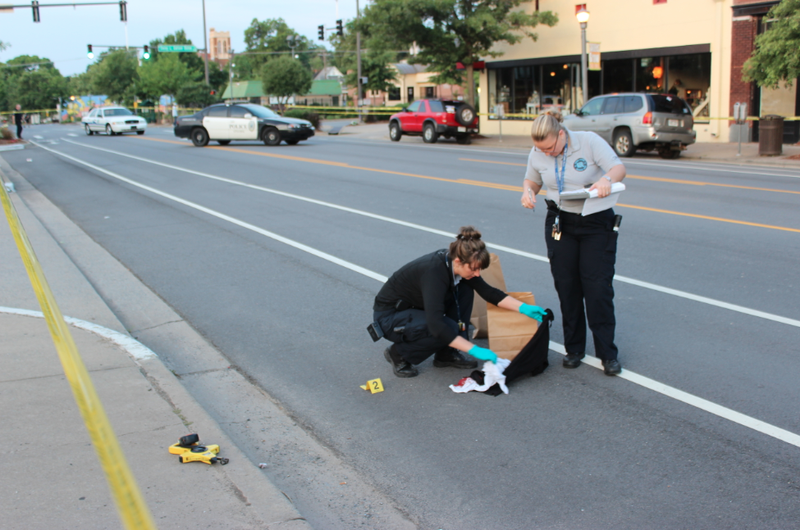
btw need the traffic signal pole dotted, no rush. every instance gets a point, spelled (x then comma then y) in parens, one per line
(358, 58)
(205, 40)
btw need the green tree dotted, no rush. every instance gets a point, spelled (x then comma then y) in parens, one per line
(81, 84)
(164, 76)
(192, 61)
(776, 57)
(32, 82)
(376, 63)
(450, 31)
(267, 40)
(284, 77)
(116, 75)
(195, 95)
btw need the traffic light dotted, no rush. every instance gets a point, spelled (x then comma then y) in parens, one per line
(146, 54)
(123, 10)
(35, 7)
(213, 92)
(89, 52)
(339, 28)
(321, 33)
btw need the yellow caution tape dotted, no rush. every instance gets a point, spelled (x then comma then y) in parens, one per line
(130, 504)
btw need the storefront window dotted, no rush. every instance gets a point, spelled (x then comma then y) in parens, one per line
(617, 76)
(689, 77)
(650, 74)
(525, 92)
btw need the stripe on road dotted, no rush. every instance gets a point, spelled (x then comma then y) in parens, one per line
(537, 257)
(690, 399)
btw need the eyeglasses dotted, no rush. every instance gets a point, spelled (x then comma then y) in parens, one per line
(549, 150)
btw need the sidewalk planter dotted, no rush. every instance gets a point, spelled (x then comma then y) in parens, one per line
(770, 135)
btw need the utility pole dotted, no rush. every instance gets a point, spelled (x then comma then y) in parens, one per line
(205, 39)
(358, 58)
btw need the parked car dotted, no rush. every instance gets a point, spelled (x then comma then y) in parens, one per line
(433, 118)
(113, 120)
(631, 121)
(241, 121)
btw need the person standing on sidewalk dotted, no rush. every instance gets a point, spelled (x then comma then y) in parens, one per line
(424, 308)
(582, 249)
(18, 116)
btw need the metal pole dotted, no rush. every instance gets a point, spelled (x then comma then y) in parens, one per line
(230, 69)
(584, 65)
(358, 58)
(205, 39)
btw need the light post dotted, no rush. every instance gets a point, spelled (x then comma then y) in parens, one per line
(205, 41)
(291, 40)
(583, 17)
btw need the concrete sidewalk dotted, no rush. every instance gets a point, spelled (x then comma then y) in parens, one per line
(51, 475)
(711, 152)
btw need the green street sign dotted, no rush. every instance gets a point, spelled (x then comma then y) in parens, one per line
(177, 48)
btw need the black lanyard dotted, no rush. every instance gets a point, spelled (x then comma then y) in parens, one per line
(461, 326)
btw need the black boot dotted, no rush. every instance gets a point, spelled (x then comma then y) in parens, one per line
(450, 357)
(400, 366)
(573, 360)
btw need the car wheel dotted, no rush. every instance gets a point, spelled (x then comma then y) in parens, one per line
(271, 136)
(292, 142)
(394, 131)
(623, 143)
(429, 134)
(464, 139)
(223, 142)
(109, 130)
(465, 114)
(199, 137)
(88, 130)
(140, 133)
(669, 154)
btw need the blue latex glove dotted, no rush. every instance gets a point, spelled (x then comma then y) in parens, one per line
(483, 354)
(532, 311)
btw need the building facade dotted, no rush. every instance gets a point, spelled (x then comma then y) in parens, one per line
(219, 46)
(692, 48)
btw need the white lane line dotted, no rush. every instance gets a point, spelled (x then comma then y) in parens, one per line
(689, 399)
(233, 220)
(624, 279)
(135, 349)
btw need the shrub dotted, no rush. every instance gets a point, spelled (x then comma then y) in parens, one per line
(6, 134)
(303, 114)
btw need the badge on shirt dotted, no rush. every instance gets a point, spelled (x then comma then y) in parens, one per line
(580, 164)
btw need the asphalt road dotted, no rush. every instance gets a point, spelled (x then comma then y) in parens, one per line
(706, 295)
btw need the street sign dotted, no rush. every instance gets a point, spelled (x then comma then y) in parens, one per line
(177, 48)
(6, 8)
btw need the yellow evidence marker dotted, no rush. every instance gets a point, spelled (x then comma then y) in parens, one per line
(374, 386)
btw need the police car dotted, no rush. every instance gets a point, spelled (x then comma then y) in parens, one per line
(241, 121)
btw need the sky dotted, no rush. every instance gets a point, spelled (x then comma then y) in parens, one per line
(64, 32)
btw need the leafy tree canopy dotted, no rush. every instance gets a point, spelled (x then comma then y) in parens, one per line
(116, 74)
(450, 31)
(271, 37)
(196, 95)
(165, 76)
(776, 57)
(376, 63)
(284, 77)
(31, 81)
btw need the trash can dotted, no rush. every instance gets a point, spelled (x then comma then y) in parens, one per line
(770, 135)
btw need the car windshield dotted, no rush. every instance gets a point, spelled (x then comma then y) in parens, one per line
(260, 112)
(117, 112)
(669, 104)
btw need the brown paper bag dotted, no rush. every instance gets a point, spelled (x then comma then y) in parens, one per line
(493, 275)
(510, 331)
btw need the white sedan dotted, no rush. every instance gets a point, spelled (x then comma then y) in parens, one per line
(113, 120)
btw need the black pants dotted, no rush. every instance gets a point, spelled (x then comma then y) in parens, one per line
(19, 131)
(415, 343)
(582, 264)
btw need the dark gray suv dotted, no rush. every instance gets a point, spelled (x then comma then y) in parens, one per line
(631, 121)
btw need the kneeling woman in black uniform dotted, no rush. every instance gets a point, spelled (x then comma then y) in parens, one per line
(424, 308)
